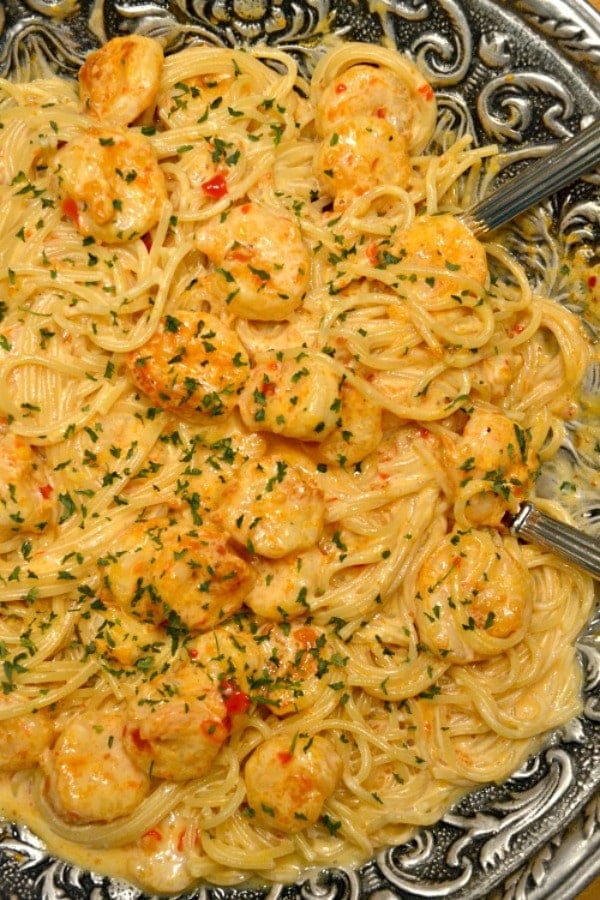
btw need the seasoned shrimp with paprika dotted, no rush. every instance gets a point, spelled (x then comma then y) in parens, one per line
(193, 365)
(177, 725)
(296, 396)
(111, 184)
(26, 503)
(443, 250)
(385, 87)
(493, 466)
(284, 587)
(273, 507)
(358, 430)
(88, 775)
(262, 264)
(474, 597)
(120, 80)
(23, 739)
(289, 778)
(162, 572)
(115, 635)
(292, 665)
(362, 154)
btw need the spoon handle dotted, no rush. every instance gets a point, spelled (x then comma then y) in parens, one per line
(572, 158)
(575, 546)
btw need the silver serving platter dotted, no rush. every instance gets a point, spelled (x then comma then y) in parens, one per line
(524, 74)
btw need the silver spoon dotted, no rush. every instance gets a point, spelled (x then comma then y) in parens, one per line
(573, 158)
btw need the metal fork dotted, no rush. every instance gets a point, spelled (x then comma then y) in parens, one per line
(569, 543)
(573, 158)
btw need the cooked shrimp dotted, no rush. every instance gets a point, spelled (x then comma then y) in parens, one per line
(358, 430)
(443, 243)
(273, 508)
(24, 739)
(25, 489)
(361, 154)
(261, 263)
(229, 655)
(193, 364)
(284, 587)
(88, 775)
(364, 90)
(120, 80)
(493, 466)
(288, 780)
(177, 725)
(492, 377)
(160, 571)
(288, 678)
(119, 636)
(295, 396)
(474, 597)
(111, 184)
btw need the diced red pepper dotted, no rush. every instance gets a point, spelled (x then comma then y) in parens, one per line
(285, 757)
(592, 281)
(235, 700)
(70, 209)
(340, 87)
(46, 490)
(427, 91)
(215, 187)
(147, 241)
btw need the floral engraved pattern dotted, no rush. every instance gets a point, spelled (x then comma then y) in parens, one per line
(518, 74)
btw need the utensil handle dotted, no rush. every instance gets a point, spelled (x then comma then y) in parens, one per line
(575, 546)
(572, 158)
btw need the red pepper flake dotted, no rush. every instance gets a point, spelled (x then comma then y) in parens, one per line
(70, 209)
(147, 241)
(267, 388)
(592, 281)
(519, 328)
(381, 112)
(373, 254)
(340, 87)
(193, 653)
(427, 91)
(215, 187)
(285, 757)
(46, 490)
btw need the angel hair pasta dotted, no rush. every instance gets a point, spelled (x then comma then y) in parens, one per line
(264, 409)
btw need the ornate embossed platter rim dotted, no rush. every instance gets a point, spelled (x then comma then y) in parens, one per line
(538, 836)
